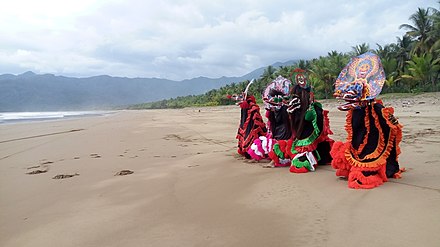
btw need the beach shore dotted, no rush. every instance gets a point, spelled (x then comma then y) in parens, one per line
(173, 178)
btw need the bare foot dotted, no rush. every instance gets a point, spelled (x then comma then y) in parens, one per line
(271, 164)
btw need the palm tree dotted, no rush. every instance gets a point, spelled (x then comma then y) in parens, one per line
(422, 25)
(403, 51)
(268, 74)
(337, 62)
(284, 71)
(434, 34)
(322, 77)
(388, 55)
(303, 64)
(386, 51)
(359, 49)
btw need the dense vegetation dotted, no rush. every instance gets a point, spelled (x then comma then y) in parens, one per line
(412, 64)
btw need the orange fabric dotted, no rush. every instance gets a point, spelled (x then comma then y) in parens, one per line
(382, 150)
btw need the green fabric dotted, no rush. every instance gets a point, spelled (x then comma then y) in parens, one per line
(316, 132)
(277, 151)
(310, 114)
(317, 156)
(299, 164)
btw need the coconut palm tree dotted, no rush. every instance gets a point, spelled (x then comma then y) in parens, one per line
(284, 71)
(322, 77)
(359, 49)
(386, 51)
(388, 55)
(337, 61)
(268, 74)
(403, 51)
(434, 33)
(422, 25)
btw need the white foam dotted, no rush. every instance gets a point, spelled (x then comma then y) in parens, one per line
(10, 117)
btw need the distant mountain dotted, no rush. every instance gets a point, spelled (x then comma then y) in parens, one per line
(47, 92)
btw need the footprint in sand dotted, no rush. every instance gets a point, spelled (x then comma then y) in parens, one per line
(94, 156)
(124, 172)
(33, 167)
(36, 172)
(63, 176)
(43, 167)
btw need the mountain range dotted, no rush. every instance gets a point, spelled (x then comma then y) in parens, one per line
(48, 92)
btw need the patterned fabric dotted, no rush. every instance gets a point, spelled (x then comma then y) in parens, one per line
(361, 79)
(281, 87)
(309, 144)
(370, 154)
(261, 147)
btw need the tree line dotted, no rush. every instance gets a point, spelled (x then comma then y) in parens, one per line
(411, 65)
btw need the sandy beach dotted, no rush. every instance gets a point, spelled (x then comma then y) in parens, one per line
(69, 183)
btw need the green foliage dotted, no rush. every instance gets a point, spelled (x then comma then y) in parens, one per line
(424, 71)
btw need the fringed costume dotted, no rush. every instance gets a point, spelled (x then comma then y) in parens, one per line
(370, 154)
(278, 124)
(310, 144)
(251, 123)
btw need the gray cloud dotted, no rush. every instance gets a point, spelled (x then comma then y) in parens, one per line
(185, 39)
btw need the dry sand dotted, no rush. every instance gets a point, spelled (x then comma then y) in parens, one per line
(189, 188)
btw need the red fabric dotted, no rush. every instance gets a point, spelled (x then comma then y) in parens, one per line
(339, 161)
(258, 128)
(274, 157)
(294, 169)
(357, 180)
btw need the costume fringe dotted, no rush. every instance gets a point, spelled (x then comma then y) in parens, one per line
(259, 128)
(339, 162)
(370, 171)
(260, 148)
(357, 180)
(382, 151)
(323, 136)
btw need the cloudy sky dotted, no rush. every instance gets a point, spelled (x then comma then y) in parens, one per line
(181, 39)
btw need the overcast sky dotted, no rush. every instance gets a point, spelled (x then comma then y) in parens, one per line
(181, 39)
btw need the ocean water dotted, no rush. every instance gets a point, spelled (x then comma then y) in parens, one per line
(16, 117)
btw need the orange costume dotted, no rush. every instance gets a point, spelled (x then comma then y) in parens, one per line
(369, 156)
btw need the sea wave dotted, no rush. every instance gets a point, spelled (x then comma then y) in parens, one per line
(14, 117)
